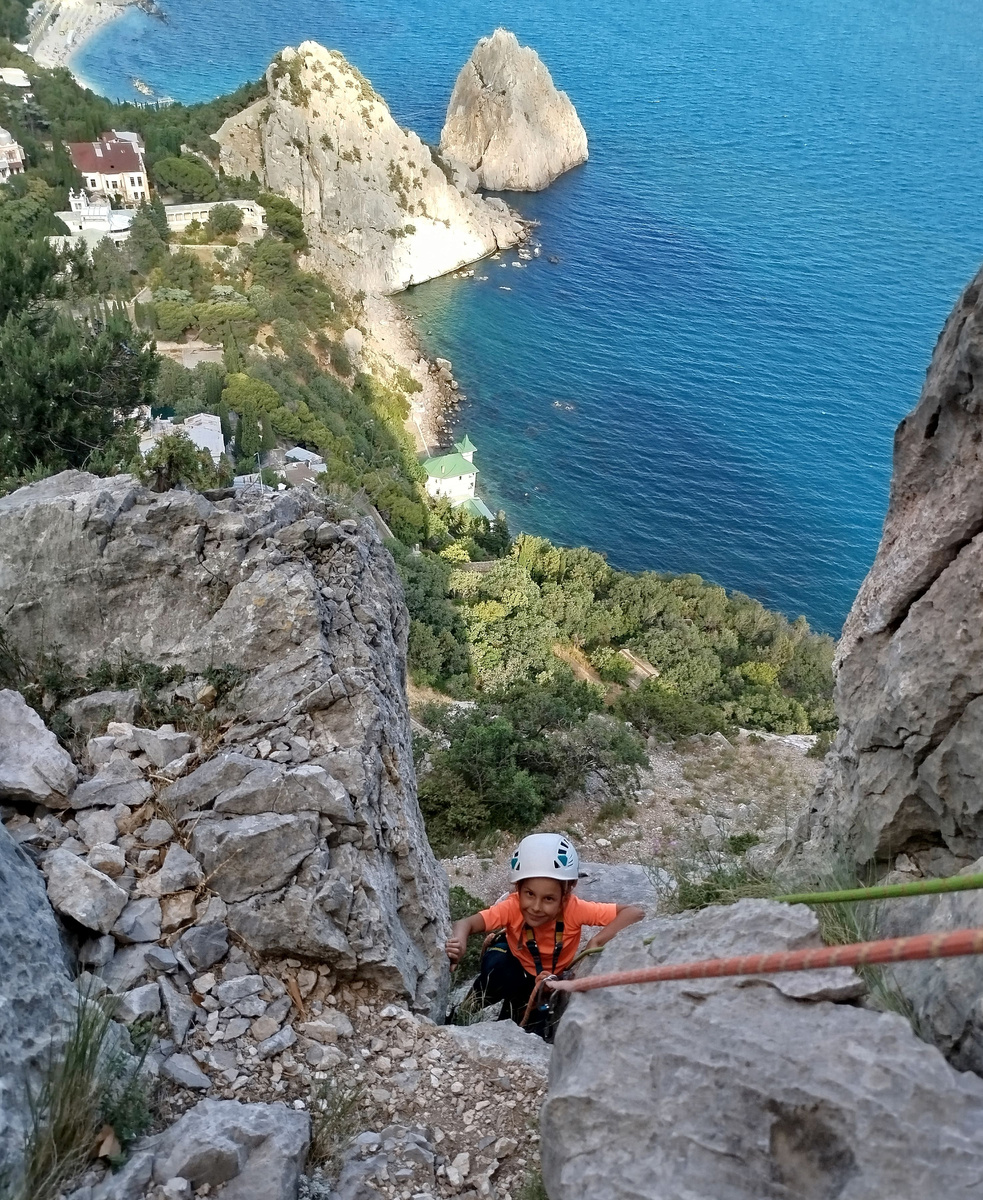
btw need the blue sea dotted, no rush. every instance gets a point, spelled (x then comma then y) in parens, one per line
(782, 203)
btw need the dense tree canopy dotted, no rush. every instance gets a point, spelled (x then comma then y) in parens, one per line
(68, 385)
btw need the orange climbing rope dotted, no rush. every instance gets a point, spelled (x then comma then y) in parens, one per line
(907, 949)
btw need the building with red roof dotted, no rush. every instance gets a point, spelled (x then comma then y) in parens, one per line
(112, 167)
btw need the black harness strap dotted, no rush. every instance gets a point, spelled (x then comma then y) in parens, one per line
(533, 947)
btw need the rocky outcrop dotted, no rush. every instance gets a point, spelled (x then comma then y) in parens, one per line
(36, 992)
(32, 764)
(305, 822)
(748, 1089)
(250, 1151)
(907, 771)
(380, 211)
(507, 122)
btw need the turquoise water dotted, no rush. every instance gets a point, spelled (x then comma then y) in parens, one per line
(782, 203)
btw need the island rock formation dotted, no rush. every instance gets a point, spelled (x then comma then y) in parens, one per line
(507, 121)
(303, 817)
(381, 211)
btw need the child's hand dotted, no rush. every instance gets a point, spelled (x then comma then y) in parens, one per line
(456, 947)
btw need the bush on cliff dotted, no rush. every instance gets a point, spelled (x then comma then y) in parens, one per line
(516, 754)
(68, 386)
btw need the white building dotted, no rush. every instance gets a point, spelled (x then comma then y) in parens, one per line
(180, 216)
(302, 466)
(14, 77)
(203, 429)
(11, 156)
(452, 476)
(84, 219)
(112, 167)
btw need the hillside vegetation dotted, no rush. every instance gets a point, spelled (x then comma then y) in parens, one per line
(502, 639)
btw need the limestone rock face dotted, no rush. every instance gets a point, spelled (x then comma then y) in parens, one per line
(907, 768)
(379, 210)
(36, 992)
(33, 766)
(327, 858)
(731, 1089)
(507, 122)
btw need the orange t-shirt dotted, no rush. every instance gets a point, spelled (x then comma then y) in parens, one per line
(575, 914)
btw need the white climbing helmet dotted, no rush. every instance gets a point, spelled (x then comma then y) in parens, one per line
(544, 856)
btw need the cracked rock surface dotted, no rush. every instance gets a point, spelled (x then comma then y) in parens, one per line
(300, 808)
(908, 762)
(732, 1088)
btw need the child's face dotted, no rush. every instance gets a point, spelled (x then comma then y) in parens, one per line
(540, 900)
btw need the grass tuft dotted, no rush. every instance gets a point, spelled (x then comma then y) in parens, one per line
(86, 1086)
(335, 1119)
(533, 1188)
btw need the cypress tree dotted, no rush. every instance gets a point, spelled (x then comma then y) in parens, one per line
(233, 358)
(268, 441)
(248, 436)
(223, 416)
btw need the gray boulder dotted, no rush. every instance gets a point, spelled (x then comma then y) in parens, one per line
(205, 945)
(37, 997)
(243, 856)
(138, 922)
(182, 1069)
(397, 1148)
(138, 1004)
(946, 994)
(162, 746)
(507, 122)
(502, 1043)
(729, 1088)
(78, 891)
(256, 1151)
(618, 883)
(91, 714)
(180, 871)
(33, 766)
(205, 783)
(120, 781)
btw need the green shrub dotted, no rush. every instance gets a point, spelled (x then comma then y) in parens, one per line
(665, 714)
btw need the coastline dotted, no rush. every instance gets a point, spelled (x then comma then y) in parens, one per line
(391, 344)
(76, 21)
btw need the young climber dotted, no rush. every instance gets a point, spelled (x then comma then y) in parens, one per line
(540, 923)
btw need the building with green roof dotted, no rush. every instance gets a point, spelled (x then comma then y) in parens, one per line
(452, 477)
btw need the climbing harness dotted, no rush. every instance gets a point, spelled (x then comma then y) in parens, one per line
(890, 950)
(534, 1004)
(551, 1007)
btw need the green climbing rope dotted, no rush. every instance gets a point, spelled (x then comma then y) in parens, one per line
(890, 891)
